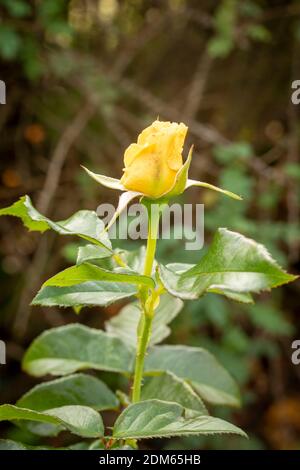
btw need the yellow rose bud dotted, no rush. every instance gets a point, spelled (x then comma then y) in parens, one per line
(151, 165)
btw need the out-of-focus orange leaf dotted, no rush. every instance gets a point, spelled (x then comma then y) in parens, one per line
(34, 133)
(282, 423)
(274, 130)
(11, 179)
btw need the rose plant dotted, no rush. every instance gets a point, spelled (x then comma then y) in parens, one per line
(168, 385)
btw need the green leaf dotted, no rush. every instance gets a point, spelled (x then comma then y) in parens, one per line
(220, 47)
(79, 389)
(168, 387)
(81, 445)
(202, 184)
(155, 418)
(67, 349)
(243, 297)
(232, 264)
(80, 420)
(238, 179)
(197, 366)
(106, 181)
(117, 445)
(125, 324)
(91, 273)
(124, 200)
(116, 184)
(259, 32)
(251, 9)
(270, 319)
(226, 154)
(170, 277)
(85, 224)
(239, 264)
(181, 177)
(8, 444)
(88, 294)
(10, 42)
(91, 252)
(222, 43)
(135, 259)
(97, 445)
(292, 170)
(17, 8)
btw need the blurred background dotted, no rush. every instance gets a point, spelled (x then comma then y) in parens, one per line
(83, 78)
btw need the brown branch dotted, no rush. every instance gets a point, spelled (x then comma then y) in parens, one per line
(159, 107)
(60, 153)
(37, 266)
(293, 212)
(197, 86)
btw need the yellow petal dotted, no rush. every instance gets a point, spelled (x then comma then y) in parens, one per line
(175, 152)
(133, 151)
(152, 163)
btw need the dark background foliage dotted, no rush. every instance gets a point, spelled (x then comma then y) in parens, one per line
(83, 78)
